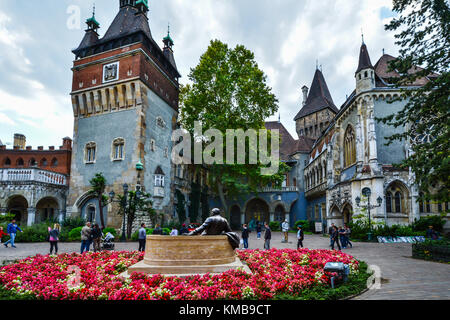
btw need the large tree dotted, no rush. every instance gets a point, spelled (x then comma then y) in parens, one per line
(229, 91)
(424, 38)
(98, 186)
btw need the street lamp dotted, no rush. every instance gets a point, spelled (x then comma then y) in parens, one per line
(367, 193)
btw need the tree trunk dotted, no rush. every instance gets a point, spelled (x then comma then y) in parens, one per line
(222, 199)
(100, 205)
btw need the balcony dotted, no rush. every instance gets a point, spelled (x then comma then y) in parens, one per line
(32, 175)
(283, 189)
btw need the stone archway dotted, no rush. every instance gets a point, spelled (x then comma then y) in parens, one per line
(18, 205)
(347, 214)
(47, 209)
(235, 215)
(258, 210)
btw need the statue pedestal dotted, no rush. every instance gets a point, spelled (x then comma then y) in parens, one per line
(185, 256)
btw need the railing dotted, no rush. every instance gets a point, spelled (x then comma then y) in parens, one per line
(283, 189)
(32, 175)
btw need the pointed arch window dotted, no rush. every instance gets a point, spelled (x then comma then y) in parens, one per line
(388, 202)
(349, 147)
(44, 162)
(7, 162)
(20, 162)
(54, 162)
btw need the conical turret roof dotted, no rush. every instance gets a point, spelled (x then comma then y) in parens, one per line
(364, 59)
(319, 97)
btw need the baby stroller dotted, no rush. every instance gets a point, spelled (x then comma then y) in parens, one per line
(108, 242)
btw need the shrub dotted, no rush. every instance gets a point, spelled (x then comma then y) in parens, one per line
(308, 226)
(275, 225)
(72, 223)
(75, 234)
(423, 223)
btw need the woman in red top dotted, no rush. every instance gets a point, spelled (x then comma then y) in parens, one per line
(2, 234)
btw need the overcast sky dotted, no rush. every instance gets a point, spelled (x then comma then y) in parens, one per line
(287, 37)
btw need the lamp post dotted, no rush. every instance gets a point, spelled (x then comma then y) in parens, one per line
(367, 193)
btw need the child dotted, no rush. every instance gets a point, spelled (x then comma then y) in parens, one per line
(2, 234)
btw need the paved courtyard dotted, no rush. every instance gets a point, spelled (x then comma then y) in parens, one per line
(403, 278)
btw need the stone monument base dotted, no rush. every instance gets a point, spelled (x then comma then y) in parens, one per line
(184, 256)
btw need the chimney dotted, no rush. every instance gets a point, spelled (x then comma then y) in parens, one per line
(305, 90)
(19, 141)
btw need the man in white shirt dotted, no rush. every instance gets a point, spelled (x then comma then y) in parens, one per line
(174, 232)
(285, 230)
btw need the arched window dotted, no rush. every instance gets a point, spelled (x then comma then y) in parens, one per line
(32, 162)
(398, 202)
(54, 162)
(118, 149)
(90, 152)
(349, 147)
(44, 162)
(388, 202)
(7, 162)
(20, 162)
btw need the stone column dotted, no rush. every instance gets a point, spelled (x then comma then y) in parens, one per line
(31, 216)
(242, 218)
(271, 217)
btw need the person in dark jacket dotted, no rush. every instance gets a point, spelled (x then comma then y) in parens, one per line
(245, 235)
(183, 230)
(300, 237)
(335, 238)
(96, 237)
(158, 230)
(267, 237)
(213, 226)
(11, 229)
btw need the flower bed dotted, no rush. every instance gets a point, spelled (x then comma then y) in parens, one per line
(97, 276)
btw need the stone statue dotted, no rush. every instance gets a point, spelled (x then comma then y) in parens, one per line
(213, 226)
(217, 225)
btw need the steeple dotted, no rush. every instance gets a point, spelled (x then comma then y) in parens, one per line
(91, 36)
(168, 48)
(142, 6)
(365, 74)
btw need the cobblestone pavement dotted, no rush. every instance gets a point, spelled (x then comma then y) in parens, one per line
(403, 278)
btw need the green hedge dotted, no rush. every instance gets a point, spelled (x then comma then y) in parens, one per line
(360, 229)
(275, 225)
(308, 226)
(135, 235)
(433, 250)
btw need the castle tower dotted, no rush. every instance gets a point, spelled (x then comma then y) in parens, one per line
(124, 97)
(318, 108)
(365, 74)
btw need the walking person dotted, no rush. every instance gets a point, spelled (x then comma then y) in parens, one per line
(54, 237)
(300, 237)
(348, 233)
(335, 238)
(96, 237)
(342, 237)
(142, 238)
(285, 230)
(267, 237)
(11, 229)
(86, 234)
(330, 232)
(258, 230)
(2, 234)
(245, 235)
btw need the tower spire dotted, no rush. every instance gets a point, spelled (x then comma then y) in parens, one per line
(92, 23)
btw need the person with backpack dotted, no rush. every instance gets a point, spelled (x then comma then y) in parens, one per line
(12, 232)
(300, 237)
(53, 237)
